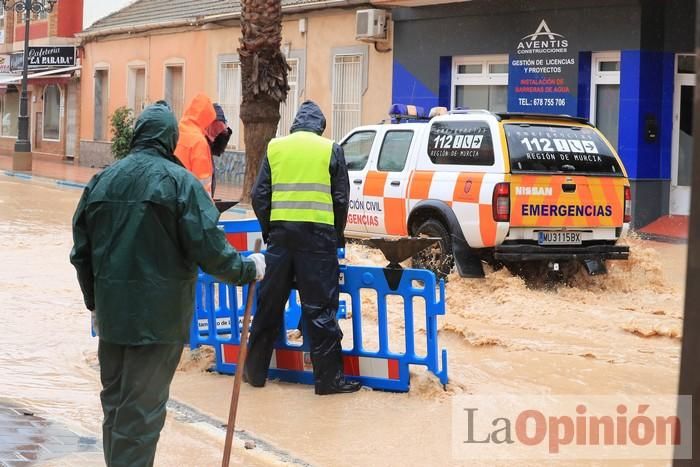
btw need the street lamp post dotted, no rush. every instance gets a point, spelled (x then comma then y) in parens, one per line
(22, 159)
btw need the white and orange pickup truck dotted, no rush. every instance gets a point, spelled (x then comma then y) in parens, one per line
(543, 192)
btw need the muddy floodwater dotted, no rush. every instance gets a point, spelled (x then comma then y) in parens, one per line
(47, 357)
(613, 334)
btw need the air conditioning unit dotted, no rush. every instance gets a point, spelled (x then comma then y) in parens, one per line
(370, 25)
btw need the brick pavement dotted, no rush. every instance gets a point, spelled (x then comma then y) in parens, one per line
(26, 438)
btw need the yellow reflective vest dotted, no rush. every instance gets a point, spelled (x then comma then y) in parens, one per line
(301, 181)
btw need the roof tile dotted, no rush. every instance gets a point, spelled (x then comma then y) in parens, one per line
(145, 12)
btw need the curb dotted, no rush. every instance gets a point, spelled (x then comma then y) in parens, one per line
(77, 185)
(53, 181)
(186, 413)
(18, 175)
(70, 184)
(662, 238)
(238, 210)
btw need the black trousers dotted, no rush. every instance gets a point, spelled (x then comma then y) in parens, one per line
(136, 386)
(316, 276)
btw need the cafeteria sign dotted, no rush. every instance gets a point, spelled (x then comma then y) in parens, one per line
(543, 74)
(45, 57)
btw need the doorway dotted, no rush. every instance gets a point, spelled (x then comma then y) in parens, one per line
(682, 151)
(38, 131)
(605, 94)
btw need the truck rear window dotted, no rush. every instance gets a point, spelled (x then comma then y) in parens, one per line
(554, 148)
(460, 143)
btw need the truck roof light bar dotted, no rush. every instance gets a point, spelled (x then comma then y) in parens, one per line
(561, 117)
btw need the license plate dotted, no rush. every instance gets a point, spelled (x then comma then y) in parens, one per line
(559, 238)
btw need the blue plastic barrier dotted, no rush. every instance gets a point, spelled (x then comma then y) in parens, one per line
(414, 284)
(380, 369)
(218, 305)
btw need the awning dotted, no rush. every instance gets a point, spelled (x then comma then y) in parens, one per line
(49, 74)
(53, 79)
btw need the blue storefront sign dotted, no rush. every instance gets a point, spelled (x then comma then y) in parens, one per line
(543, 74)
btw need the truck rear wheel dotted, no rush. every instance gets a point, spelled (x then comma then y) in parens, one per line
(438, 258)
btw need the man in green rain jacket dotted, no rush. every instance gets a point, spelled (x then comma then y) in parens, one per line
(142, 228)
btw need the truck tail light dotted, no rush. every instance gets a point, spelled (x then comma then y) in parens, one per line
(628, 205)
(501, 202)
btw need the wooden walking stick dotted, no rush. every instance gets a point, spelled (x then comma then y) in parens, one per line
(242, 353)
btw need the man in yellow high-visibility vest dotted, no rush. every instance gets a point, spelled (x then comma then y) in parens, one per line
(301, 200)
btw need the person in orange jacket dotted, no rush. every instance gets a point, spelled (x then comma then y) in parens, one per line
(203, 133)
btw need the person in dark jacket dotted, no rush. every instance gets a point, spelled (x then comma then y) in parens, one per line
(301, 200)
(218, 135)
(141, 230)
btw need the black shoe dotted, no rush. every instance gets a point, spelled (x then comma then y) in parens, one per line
(341, 386)
(255, 384)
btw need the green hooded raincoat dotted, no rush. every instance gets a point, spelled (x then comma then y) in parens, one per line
(140, 231)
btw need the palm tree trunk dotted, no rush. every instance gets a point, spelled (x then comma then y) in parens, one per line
(263, 78)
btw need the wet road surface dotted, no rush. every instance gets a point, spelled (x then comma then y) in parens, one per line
(614, 334)
(47, 356)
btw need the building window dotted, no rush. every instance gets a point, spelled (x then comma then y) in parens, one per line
(470, 69)
(686, 64)
(175, 88)
(347, 94)
(101, 104)
(20, 17)
(39, 16)
(10, 111)
(480, 82)
(137, 89)
(230, 96)
(288, 109)
(52, 112)
(2, 25)
(605, 94)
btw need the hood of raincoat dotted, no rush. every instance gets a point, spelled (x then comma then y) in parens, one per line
(200, 112)
(309, 118)
(156, 129)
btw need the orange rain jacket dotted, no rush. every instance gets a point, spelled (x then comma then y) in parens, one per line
(192, 147)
